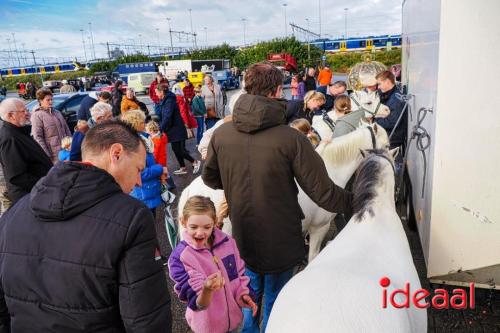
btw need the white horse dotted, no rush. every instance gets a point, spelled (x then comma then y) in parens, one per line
(341, 157)
(340, 291)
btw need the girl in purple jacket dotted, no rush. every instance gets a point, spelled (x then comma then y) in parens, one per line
(208, 272)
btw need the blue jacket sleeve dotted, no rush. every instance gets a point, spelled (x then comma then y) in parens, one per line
(151, 172)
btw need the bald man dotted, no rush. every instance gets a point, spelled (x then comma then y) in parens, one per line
(23, 160)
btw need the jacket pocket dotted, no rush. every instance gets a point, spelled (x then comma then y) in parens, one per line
(230, 265)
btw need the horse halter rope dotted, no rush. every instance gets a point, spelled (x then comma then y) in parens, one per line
(372, 134)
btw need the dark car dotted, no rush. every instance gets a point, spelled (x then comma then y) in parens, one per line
(68, 104)
(226, 80)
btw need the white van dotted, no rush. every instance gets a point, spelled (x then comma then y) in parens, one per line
(141, 81)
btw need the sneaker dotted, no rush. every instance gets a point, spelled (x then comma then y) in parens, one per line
(196, 166)
(181, 171)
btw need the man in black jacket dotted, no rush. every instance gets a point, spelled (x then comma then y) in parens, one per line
(331, 92)
(23, 160)
(390, 96)
(79, 254)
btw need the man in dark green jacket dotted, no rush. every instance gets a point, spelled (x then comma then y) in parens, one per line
(256, 159)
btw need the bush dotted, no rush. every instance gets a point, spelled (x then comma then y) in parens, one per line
(343, 62)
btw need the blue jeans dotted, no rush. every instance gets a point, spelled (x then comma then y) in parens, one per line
(268, 285)
(200, 120)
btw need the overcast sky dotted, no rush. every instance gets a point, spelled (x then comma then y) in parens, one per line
(52, 27)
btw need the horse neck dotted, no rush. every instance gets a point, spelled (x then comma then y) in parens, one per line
(341, 173)
(384, 198)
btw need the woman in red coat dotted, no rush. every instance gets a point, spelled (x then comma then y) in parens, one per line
(186, 114)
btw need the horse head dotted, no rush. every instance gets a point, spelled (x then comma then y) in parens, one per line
(370, 102)
(374, 181)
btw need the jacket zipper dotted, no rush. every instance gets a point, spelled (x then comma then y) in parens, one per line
(216, 261)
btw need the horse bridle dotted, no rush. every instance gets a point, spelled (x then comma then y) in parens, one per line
(374, 145)
(329, 122)
(363, 108)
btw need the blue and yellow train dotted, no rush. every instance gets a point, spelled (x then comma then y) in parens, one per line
(358, 44)
(45, 69)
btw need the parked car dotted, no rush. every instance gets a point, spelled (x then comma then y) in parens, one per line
(226, 79)
(68, 104)
(52, 84)
(141, 81)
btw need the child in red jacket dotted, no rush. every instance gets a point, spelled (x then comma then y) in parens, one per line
(160, 141)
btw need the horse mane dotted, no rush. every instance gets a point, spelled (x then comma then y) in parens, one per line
(345, 148)
(365, 183)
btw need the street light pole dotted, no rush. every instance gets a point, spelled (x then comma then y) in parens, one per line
(284, 5)
(92, 39)
(83, 42)
(9, 54)
(244, 32)
(158, 35)
(345, 22)
(170, 32)
(140, 43)
(191, 22)
(308, 42)
(319, 12)
(15, 48)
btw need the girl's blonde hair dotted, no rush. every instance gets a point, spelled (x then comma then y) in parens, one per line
(152, 127)
(134, 118)
(199, 205)
(343, 104)
(66, 142)
(313, 95)
(302, 125)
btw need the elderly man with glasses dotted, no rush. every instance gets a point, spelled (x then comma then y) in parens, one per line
(23, 160)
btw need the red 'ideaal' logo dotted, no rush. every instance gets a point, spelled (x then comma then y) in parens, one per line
(440, 300)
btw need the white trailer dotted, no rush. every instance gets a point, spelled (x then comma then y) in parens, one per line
(170, 68)
(451, 65)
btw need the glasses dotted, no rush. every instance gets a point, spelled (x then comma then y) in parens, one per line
(24, 110)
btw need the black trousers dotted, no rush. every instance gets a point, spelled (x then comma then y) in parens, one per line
(181, 153)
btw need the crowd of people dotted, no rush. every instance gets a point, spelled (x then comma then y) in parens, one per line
(83, 204)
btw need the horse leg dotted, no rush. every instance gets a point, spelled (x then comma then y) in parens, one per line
(316, 236)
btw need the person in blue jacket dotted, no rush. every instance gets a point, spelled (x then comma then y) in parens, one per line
(150, 190)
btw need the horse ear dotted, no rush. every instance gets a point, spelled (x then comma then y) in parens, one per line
(363, 153)
(375, 128)
(394, 152)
